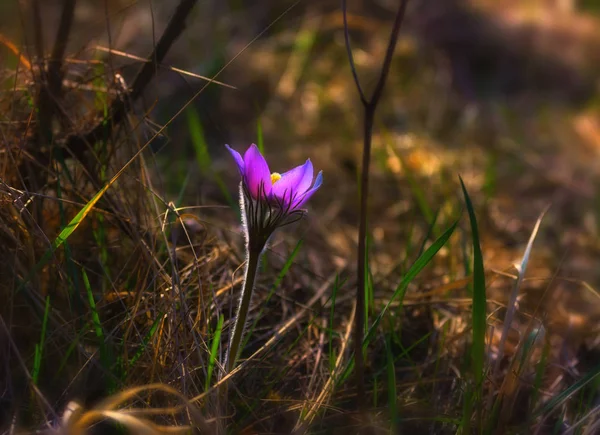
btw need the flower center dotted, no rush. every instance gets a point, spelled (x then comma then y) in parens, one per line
(275, 177)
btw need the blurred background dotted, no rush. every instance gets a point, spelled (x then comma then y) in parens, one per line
(504, 93)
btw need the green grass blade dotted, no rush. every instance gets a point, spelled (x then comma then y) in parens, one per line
(564, 395)
(511, 306)
(415, 269)
(66, 232)
(74, 293)
(418, 193)
(202, 153)
(391, 387)
(95, 317)
(368, 287)
(539, 374)
(405, 352)
(288, 264)
(67, 354)
(479, 297)
(39, 347)
(430, 231)
(466, 258)
(346, 373)
(100, 236)
(198, 140)
(467, 410)
(260, 141)
(214, 348)
(79, 217)
(96, 320)
(145, 341)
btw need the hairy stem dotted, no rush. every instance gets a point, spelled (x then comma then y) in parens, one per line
(242, 309)
(251, 270)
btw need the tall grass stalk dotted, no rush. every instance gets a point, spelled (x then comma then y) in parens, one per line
(369, 106)
(479, 317)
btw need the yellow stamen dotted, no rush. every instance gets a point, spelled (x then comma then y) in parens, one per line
(275, 177)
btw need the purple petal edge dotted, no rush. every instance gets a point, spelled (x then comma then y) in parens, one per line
(294, 182)
(304, 198)
(257, 174)
(238, 159)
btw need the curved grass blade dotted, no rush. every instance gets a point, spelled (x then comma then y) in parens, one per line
(39, 347)
(418, 193)
(564, 395)
(144, 344)
(97, 324)
(260, 141)
(417, 267)
(203, 155)
(65, 233)
(213, 352)
(511, 307)
(479, 297)
(77, 220)
(391, 386)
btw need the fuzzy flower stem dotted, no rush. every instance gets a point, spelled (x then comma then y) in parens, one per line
(253, 254)
(242, 309)
(268, 201)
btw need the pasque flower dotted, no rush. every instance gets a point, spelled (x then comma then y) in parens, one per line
(271, 200)
(267, 202)
(289, 190)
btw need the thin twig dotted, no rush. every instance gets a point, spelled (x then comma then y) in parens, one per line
(172, 68)
(55, 74)
(44, 111)
(38, 31)
(369, 114)
(77, 145)
(385, 69)
(50, 84)
(363, 99)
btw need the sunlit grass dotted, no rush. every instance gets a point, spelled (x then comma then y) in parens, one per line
(119, 294)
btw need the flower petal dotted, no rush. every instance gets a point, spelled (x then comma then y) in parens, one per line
(294, 182)
(257, 174)
(306, 196)
(238, 159)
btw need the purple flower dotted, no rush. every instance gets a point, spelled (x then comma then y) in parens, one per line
(267, 202)
(289, 191)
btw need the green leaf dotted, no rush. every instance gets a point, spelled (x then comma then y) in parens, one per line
(39, 347)
(415, 269)
(479, 297)
(213, 352)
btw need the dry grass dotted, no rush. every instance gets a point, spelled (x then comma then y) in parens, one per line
(113, 325)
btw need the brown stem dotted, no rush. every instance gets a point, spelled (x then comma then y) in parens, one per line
(370, 107)
(50, 84)
(38, 31)
(55, 73)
